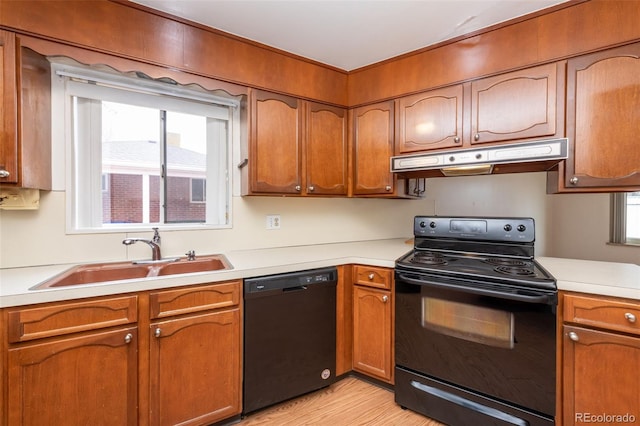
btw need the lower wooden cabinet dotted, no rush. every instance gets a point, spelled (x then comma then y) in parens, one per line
(600, 365)
(373, 323)
(195, 369)
(78, 380)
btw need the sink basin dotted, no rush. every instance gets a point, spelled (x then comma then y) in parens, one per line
(103, 272)
(202, 264)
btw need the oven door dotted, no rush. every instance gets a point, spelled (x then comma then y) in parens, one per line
(482, 349)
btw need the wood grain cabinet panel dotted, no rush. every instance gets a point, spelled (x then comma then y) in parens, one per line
(296, 147)
(600, 357)
(600, 376)
(372, 333)
(25, 116)
(603, 100)
(195, 368)
(194, 299)
(26, 324)
(518, 105)
(325, 151)
(373, 277)
(430, 120)
(275, 136)
(79, 380)
(373, 146)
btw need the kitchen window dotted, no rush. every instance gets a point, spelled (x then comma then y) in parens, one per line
(625, 218)
(145, 153)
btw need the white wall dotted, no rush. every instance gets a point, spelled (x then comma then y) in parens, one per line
(567, 225)
(29, 238)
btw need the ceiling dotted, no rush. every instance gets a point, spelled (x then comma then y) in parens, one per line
(349, 34)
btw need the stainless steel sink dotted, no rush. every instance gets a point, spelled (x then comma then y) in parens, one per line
(103, 272)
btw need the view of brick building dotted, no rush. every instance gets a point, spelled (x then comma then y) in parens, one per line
(131, 183)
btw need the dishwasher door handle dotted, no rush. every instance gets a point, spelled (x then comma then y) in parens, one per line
(296, 288)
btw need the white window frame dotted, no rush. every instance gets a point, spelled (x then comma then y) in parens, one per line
(618, 220)
(224, 121)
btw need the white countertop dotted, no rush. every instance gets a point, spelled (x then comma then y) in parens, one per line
(604, 278)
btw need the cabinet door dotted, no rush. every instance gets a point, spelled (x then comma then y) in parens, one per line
(87, 380)
(603, 100)
(372, 333)
(326, 150)
(430, 120)
(195, 369)
(373, 142)
(276, 129)
(600, 376)
(515, 106)
(8, 110)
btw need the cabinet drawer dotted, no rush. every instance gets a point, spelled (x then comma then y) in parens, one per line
(372, 276)
(194, 299)
(65, 318)
(608, 313)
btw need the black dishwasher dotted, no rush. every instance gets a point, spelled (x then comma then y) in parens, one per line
(289, 336)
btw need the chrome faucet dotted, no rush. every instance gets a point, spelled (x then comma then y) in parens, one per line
(153, 243)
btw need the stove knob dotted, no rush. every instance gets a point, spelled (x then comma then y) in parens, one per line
(422, 224)
(432, 225)
(507, 227)
(522, 228)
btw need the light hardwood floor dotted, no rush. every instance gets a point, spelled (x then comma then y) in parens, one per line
(350, 401)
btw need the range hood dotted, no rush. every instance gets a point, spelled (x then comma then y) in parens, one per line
(538, 155)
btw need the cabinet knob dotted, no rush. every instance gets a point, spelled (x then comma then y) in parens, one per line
(630, 317)
(476, 137)
(158, 332)
(387, 188)
(385, 298)
(4, 174)
(456, 139)
(128, 338)
(574, 336)
(298, 188)
(574, 180)
(312, 188)
(371, 276)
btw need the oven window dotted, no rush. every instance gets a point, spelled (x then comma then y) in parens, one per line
(475, 323)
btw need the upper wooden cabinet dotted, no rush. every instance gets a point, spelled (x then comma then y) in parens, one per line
(520, 105)
(373, 144)
(25, 111)
(603, 125)
(296, 147)
(430, 120)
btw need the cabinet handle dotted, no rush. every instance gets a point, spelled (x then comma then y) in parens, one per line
(158, 332)
(387, 188)
(385, 298)
(371, 276)
(4, 174)
(630, 317)
(476, 137)
(312, 188)
(574, 336)
(128, 338)
(456, 139)
(574, 180)
(298, 188)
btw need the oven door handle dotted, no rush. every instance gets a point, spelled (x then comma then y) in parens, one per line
(545, 298)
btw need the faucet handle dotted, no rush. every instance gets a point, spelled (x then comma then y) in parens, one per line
(191, 255)
(156, 236)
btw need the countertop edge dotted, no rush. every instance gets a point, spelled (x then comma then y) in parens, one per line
(584, 276)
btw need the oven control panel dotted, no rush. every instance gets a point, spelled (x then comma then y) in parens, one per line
(517, 229)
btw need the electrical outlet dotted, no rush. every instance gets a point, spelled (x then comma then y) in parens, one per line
(273, 221)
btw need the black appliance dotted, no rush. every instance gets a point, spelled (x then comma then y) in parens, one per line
(475, 324)
(289, 336)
